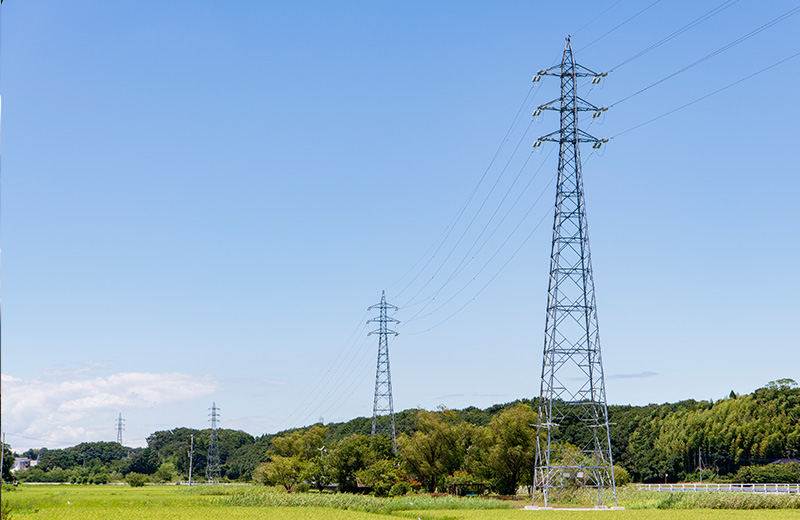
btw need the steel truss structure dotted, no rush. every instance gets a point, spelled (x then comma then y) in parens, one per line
(572, 392)
(120, 423)
(212, 464)
(383, 406)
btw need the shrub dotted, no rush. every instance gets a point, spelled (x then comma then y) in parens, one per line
(399, 489)
(784, 473)
(621, 476)
(302, 487)
(5, 511)
(165, 472)
(136, 479)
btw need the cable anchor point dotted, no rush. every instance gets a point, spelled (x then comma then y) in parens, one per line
(597, 79)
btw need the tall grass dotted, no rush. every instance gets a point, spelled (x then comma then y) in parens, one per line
(631, 498)
(272, 498)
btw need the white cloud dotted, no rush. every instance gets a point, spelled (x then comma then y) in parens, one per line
(637, 375)
(62, 411)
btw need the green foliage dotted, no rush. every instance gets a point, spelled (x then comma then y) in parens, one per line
(621, 476)
(506, 453)
(5, 510)
(84, 454)
(8, 463)
(302, 487)
(399, 489)
(346, 458)
(282, 471)
(165, 473)
(783, 473)
(305, 445)
(633, 499)
(492, 444)
(135, 479)
(381, 476)
(261, 497)
(436, 449)
(731, 433)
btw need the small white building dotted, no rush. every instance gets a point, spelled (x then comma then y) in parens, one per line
(21, 463)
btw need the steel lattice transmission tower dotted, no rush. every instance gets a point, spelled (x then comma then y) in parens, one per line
(383, 407)
(212, 464)
(572, 393)
(120, 422)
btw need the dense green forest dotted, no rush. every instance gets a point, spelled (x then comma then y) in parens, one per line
(732, 439)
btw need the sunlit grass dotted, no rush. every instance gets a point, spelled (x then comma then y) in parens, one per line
(75, 502)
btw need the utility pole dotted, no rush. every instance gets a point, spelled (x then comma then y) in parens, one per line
(120, 427)
(191, 453)
(572, 391)
(2, 458)
(700, 464)
(383, 406)
(212, 467)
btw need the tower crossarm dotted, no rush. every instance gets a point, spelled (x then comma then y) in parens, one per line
(578, 137)
(379, 319)
(385, 331)
(581, 105)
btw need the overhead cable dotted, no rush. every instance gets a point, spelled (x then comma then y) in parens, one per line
(617, 27)
(697, 21)
(708, 95)
(464, 206)
(722, 49)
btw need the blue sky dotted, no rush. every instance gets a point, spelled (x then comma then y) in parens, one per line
(201, 199)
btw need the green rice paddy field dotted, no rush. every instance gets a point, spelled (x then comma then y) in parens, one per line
(74, 502)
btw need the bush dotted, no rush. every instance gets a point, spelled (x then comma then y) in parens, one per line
(135, 479)
(165, 472)
(399, 489)
(5, 511)
(302, 487)
(772, 473)
(100, 478)
(621, 476)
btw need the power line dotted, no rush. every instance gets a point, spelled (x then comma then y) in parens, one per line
(487, 283)
(697, 21)
(489, 261)
(587, 24)
(358, 372)
(474, 217)
(324, 379)
(354, 364)
(617, 27)
(508, 261)
(462, 265)
(529, 97)
(722, 49)
(707, 95)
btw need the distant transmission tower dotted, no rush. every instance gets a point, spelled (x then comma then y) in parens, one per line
(383, 407)
(212, 466)
(120, 426)
(572, 395)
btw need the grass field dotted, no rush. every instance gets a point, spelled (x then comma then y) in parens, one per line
(73, 502)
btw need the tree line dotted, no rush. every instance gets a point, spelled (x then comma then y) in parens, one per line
(471, 449)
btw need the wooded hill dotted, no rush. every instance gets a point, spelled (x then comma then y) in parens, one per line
(647, 441)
